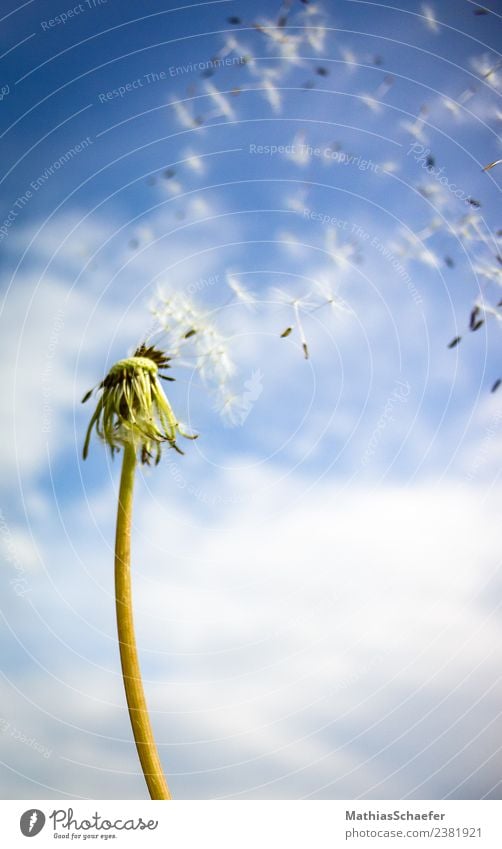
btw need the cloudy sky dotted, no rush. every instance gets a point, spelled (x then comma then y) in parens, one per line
(317, 580)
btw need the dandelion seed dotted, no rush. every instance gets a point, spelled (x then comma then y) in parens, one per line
(223, 106)
(331, 298)
(492, 165)
(189, 332)
(349, 58)
(194, 162)
(473, 316)
(272, 94)
(430, 18)
(296, 304)
(466, 95)
(454, 342)
(316, 37)
(370, 102)
(496, 385)
(384, 86)
(488, 310)
(184, 115)
(242, 294)
(299, 151)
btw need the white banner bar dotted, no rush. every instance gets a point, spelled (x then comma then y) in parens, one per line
(253, 824)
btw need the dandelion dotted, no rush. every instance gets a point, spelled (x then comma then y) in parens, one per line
(134, 415)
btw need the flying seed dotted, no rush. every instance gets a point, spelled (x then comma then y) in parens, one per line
(492, 165)
(473, 317)
(454, 342)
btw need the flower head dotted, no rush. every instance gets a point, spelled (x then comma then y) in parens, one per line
(133, 409)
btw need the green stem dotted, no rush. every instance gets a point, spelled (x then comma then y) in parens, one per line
(131, 674)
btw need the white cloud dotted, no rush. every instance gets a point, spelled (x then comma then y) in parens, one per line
(310, 639)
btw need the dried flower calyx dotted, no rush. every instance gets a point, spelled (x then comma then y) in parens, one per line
(133, 409)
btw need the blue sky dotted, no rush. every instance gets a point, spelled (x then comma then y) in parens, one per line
(317, 579)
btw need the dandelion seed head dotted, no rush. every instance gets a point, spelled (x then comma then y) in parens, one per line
(132, 408)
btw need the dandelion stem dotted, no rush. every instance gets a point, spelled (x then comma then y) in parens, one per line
(131, 674)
